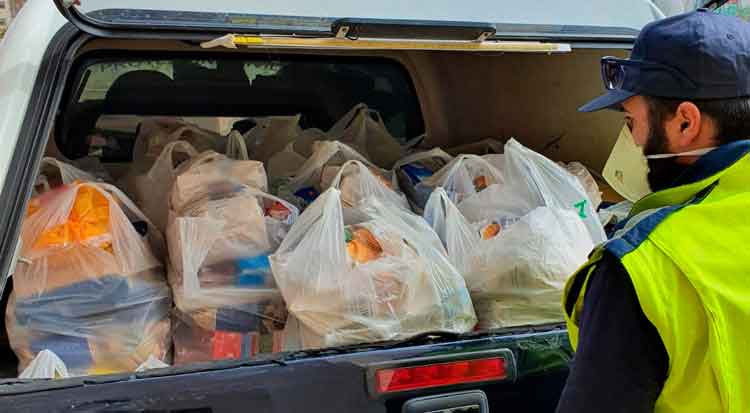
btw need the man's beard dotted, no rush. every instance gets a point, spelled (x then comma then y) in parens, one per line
(663, 173)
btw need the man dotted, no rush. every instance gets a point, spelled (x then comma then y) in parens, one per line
(660, 315)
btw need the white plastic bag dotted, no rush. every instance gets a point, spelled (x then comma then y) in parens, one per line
(212, 232)
(366, 283)
(46, 365)
(153, 137)
(465, 176)
(325, 153)
(498, 202)
(410, 171)
(220, 232)
(155, 134)
(223, 288)
(552, 185)
(152, 188)
(363, 129)
(515, 272)
(459, 237)
(89, 287)
(535, 257)
(285, 163)
(357, 181)
(306, 184)
(210, 175)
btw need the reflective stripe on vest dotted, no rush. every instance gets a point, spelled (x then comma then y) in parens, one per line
(685, 251)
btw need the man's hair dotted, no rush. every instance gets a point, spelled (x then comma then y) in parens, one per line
(731, 116)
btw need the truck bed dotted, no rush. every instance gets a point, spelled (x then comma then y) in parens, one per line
(331, 380)
(475, 97)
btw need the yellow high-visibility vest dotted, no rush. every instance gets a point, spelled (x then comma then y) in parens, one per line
(686, 251)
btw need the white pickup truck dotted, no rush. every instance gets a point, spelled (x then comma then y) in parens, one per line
(455, 72)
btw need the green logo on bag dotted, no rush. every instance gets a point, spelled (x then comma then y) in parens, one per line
(581, 206)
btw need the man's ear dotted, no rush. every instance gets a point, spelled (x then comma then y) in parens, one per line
(688, 120)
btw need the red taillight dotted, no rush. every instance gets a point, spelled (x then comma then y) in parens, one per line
(442, 374)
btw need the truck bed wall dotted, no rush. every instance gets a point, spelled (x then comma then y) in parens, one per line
(532, 97)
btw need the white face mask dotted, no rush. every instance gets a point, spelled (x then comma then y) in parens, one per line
(626, 170)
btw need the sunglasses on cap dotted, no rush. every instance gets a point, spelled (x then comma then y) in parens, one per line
(641, 76)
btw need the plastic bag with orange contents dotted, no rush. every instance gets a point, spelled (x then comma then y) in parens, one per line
(464, 177)
(357, 182)
(412, 170)
(53, 173)
(309, 180)
(515, 268)
(382, 278)
(88, 286)
(362, 245)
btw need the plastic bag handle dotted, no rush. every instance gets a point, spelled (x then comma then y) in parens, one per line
(460, 159)
(177, 134)
(327, 207)
(236, 146)
(416, 141)
(43, 181)
(347, 119)
(372, 113)
(433, 153)
(207, 157)
(467, 156)
(181, 146)
(378, 118)
(65, 169)
(169, 151)
(202, 159)
(336, 182)
(323, 153)
(260, 194)
(442, 196)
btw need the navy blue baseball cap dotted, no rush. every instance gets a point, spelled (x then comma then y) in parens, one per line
(696, 55)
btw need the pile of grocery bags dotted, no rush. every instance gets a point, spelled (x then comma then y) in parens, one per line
(284, 238)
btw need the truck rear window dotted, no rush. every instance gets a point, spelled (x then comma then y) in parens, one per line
(320, 89)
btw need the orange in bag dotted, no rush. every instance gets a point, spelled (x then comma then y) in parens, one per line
(88, 219)
(480, 183)
(362, 246)
(491, 230)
